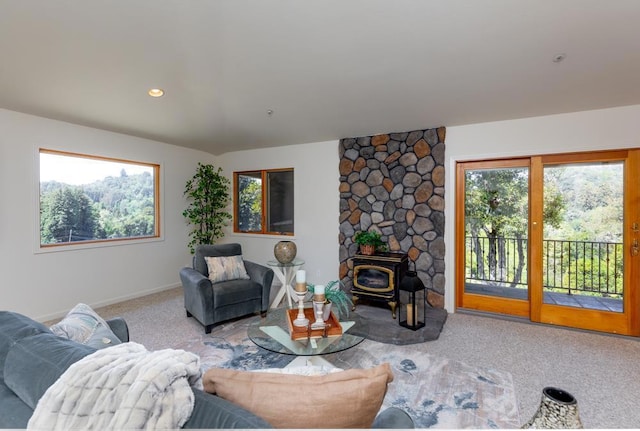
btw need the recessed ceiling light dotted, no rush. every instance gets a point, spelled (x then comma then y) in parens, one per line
(559, 57)
(156, 92)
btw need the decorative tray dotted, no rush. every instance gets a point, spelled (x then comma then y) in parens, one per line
(333, 328)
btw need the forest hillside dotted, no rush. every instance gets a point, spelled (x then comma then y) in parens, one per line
(114, 207)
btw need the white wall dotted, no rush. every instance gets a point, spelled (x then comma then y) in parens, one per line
(581, 131)
(46, 285)
(316, 204)
(317, 177)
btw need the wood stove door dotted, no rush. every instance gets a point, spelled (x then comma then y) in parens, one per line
(374, 279)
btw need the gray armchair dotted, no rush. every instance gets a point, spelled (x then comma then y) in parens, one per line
(214, 303)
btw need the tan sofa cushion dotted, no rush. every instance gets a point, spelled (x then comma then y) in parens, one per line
(347, 399)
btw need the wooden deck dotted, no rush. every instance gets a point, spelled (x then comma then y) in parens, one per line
(573, 300)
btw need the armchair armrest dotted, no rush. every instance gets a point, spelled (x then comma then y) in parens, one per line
(119, 327)
(192, 279)
(198, 295)
(263, 276)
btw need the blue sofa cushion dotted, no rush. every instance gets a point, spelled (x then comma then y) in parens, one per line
(211, 409)
(236, 292)
(35, 363)
(200, 265)
(15, 413)
(16, 326)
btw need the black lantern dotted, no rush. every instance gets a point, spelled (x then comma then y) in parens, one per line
(413, 304)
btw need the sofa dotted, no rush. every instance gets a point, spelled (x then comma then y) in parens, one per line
(32, 358)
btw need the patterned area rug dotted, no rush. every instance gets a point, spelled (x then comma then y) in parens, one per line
(436, 392)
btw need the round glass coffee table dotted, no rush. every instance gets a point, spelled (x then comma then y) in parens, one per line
(272, 333)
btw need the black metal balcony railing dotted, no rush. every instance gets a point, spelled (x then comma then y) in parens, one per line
(587, 267)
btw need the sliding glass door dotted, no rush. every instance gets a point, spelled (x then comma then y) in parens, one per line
(552, 238)
(493, 242)
(584, 277)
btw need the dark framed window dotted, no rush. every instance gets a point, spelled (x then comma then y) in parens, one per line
(263, 201)
(91, 199)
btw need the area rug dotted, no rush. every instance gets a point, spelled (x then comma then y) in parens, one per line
(436, 392)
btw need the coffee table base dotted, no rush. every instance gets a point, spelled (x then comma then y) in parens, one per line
(305, 361)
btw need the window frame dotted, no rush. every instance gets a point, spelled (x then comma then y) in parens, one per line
(93, 243)
(264, 173)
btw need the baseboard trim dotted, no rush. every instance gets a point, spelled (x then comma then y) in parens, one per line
(111, 301)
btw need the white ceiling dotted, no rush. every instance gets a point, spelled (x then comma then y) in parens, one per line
(327, 69)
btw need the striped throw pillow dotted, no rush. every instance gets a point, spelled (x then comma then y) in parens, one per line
(226, 268)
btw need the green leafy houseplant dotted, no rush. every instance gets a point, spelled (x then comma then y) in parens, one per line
(338, 297)
(208, 192)
(370, 238)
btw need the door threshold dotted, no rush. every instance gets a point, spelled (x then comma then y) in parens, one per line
(499, 316)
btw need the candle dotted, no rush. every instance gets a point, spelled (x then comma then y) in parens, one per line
(301, 276)
(318, 293)
(410, 314)
(301, 281)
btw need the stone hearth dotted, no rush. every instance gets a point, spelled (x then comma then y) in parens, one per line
(394, 183)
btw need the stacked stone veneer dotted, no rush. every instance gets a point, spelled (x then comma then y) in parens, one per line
(394, 184)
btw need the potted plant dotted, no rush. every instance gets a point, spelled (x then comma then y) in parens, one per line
(208, 191)
(369, 241)
(335, 295)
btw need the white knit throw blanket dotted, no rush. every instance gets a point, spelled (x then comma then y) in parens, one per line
(121, 387)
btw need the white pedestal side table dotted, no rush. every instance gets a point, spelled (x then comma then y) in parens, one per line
(285, 272)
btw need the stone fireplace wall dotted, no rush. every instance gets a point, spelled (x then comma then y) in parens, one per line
(394, 183)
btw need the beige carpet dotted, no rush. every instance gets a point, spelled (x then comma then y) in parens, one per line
(601, 371)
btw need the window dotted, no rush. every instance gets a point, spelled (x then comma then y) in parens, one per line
(91, 199)
(264, 201)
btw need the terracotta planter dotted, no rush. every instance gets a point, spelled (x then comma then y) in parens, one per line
(367, 249)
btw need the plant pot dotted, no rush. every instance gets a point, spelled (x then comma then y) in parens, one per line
(558, 410)
(285, 251)
(367, 249)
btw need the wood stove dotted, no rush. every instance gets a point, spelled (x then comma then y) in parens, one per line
(377, 277)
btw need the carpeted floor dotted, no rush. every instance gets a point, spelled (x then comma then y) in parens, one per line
(601, 371)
